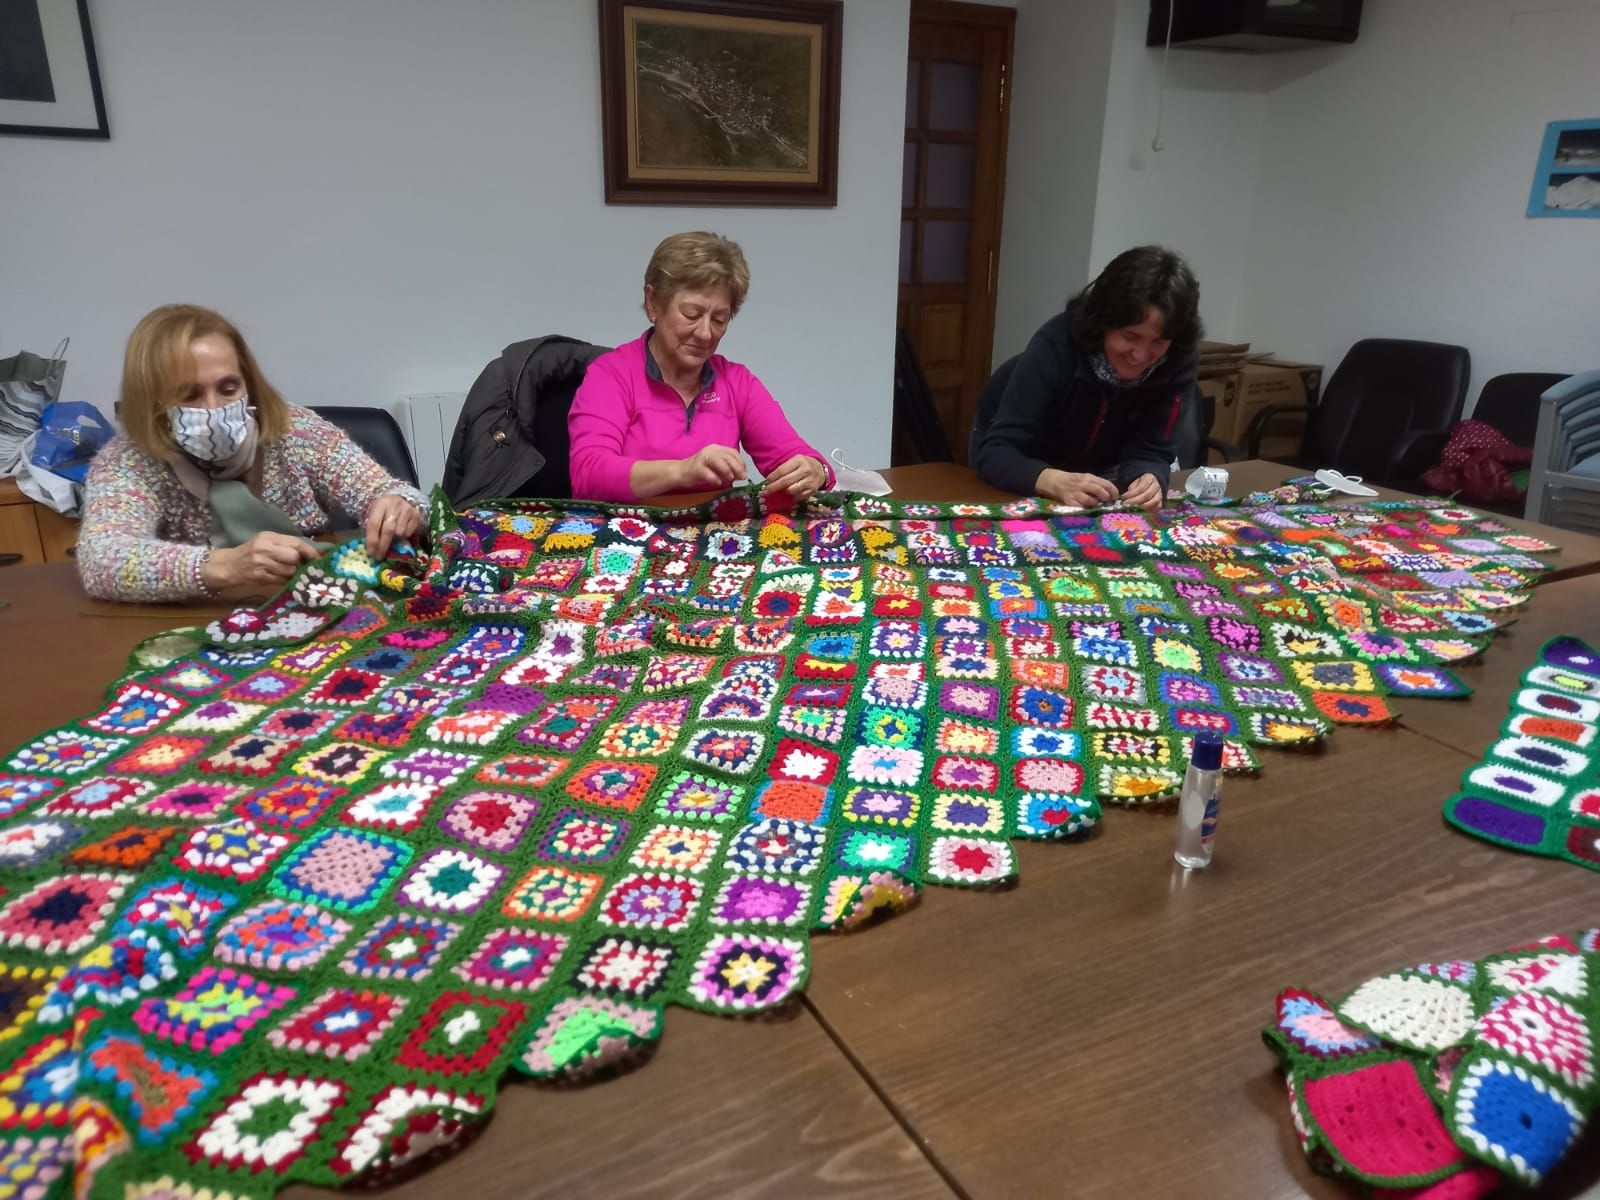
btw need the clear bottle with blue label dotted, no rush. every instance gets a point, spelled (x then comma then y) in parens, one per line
(1201, 799)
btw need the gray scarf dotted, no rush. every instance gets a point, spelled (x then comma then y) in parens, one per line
(237, 513)
(1106, 373)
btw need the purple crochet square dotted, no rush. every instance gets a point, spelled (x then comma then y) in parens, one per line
(1573, 655)
(1215, 608)
(881, 804)
(754, 898)
(511, 698)
(1498, 821)
(1241, 668)
(970, 699)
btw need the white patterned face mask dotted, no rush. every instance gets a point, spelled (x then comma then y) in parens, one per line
(212, 435)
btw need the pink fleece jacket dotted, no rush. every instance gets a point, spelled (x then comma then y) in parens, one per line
(625, 412)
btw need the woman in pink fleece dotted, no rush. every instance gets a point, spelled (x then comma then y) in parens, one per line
(666, 413)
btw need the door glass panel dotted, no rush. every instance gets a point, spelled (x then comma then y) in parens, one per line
(944, 251)
(949, 183)
(913, 86)
(953, 96)
(905, 251)
(908, 177)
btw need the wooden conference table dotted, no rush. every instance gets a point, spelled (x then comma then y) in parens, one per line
(1090, 1032)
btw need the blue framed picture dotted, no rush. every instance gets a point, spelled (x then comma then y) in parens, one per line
(1567, 183)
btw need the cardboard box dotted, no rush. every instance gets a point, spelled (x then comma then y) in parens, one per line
(1221, 394)
(1259, 385)
(1218, 359)
(1310, 374)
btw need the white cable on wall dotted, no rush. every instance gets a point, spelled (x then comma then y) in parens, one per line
(1161, 91)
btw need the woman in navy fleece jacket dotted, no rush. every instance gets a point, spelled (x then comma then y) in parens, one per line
(1091, 411)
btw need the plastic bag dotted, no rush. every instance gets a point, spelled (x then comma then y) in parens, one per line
(70, 434)
(28, 385)
(55, 460)
(856, 479)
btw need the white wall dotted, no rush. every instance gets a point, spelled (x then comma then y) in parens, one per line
(1197, 195)
(383, 193)
(1395, 182)
(1058, 111)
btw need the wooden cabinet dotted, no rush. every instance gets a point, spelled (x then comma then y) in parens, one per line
(30, 529)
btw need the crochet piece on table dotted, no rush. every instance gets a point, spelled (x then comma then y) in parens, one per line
(1457, 1076)
(313, 879)
(1538, 787)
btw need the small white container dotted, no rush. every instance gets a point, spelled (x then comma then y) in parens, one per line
(1201, 800)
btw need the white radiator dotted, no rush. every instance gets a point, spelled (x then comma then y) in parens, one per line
(427, 422)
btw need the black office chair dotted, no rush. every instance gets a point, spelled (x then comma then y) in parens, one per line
(917, 434)
(1194, 441)
(1386, 413)
(1511, 403)
(377, 432)
(989, 401)
(1194, 438)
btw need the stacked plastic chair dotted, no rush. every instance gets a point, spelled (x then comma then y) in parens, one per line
(1564, 487)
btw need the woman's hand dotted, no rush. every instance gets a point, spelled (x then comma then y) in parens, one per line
(1144, 491)
(802, 477)
(1068, 487)
(712, 467)
(390, 519)
(267, 560)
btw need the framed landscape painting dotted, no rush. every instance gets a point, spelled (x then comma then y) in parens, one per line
(49, 80)
(720, 101)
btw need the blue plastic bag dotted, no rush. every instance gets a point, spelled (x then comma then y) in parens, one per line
(70, 432)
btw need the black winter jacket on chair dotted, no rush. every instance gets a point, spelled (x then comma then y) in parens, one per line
(511, 437)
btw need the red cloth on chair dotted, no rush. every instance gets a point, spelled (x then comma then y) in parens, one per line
(1476, 464)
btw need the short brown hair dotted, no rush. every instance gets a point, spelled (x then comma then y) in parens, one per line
(157, 369)
(698, 262)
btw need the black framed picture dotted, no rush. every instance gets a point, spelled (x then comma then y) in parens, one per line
(720, 101)
(49, 79)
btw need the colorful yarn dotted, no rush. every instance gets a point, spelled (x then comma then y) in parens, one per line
(1538, 787)
(1450, 1074)
(293, 901)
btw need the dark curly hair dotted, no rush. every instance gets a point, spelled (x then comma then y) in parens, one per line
(1133, 282)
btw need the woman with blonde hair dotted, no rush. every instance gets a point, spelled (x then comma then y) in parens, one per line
(666, 413)
(214, 482)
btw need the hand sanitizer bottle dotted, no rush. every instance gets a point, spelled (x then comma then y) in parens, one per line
(1202, 795)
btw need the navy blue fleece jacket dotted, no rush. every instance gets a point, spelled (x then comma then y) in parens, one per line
(1054, 412)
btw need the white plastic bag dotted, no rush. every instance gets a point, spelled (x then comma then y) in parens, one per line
(854, 479)
(28, 385)
(45, 486)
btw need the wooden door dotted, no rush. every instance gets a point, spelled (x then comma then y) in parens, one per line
(952, 193)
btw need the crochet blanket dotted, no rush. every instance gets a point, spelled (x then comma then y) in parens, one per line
(1537, 788)
(1450, 1078)
(293, 900)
